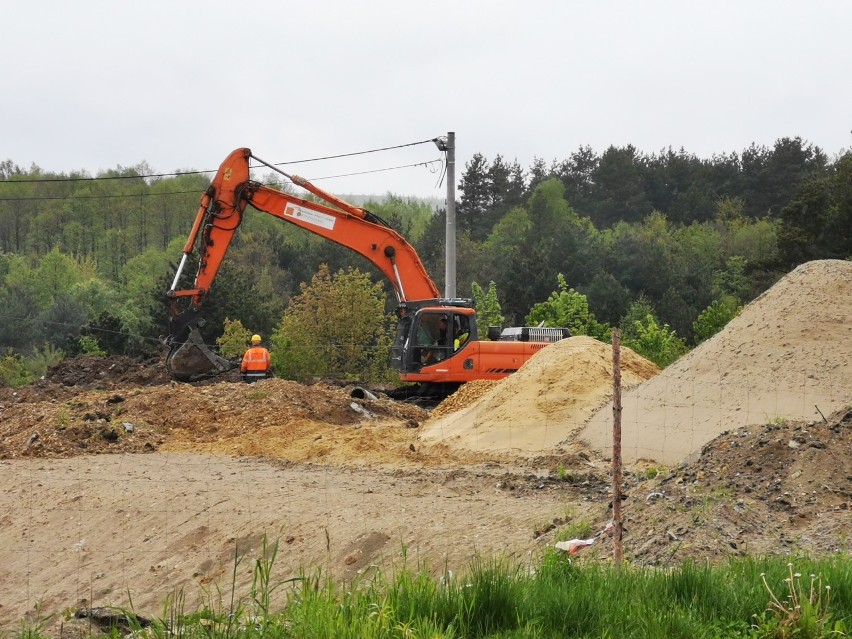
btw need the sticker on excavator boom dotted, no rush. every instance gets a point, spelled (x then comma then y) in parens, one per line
(306, 216)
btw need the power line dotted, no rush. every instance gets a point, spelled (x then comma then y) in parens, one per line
(180, 173)
(80, 327)
(92, 197)
(105, 177)
(127, 195)
(346, 155)
(404, 166)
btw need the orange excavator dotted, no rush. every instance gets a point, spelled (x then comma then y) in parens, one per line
(436, 343)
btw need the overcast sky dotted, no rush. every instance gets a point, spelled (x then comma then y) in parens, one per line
(95, 85)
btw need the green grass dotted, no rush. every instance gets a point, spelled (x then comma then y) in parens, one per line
(749, 598)
(255, 395)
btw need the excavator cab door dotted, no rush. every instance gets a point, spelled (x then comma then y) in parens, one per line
(400, 351)
(426, 338)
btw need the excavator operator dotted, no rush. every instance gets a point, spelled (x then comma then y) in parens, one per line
(437, 339)
(256, 364)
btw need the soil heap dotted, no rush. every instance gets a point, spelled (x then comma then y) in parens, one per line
(788, 354)
(102, 413)
(548, 399)
(783, 488)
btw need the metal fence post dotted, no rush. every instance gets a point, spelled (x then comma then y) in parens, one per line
(618, 530)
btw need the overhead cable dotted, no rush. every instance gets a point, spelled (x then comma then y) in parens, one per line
(179, 173)
(123, 195)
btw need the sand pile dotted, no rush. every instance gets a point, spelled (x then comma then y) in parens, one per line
(549, 398)
(787, 355)
(468, 394)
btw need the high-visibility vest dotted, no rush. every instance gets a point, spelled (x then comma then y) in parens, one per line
(255, 360)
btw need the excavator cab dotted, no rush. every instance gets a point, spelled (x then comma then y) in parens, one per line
(431, 335)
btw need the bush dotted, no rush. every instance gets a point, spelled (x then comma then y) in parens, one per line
(89, 347)
(488, 311)
(336, 327)
(13, 373)
(234, 340)
(568, 309)
(38, 363)
(714, 318)
(660, 344)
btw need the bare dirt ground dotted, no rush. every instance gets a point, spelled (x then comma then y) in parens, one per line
(122, 487)
(117, 493)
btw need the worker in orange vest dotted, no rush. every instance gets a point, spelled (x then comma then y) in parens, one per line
(255, 363)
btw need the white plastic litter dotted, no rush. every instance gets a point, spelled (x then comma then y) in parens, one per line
(572, 546)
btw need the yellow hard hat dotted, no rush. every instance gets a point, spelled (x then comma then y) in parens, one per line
(255, 339)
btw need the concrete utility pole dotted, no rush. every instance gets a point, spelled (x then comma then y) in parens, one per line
(450, 270)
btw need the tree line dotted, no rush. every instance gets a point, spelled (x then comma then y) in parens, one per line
(85, 263)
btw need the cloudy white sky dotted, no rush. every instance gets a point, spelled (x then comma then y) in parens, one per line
(92, 85)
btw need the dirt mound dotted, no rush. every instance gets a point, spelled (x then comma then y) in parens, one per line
(105, 372)
(787, 355)
(468, 394)
(276, 419)
(71, 376)
(538, 407)
(783, 487)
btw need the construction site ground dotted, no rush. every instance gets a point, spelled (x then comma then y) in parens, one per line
(123, 488)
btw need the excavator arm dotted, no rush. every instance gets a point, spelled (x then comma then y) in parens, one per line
(219, 216)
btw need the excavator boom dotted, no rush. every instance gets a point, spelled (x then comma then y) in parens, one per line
(220, 214)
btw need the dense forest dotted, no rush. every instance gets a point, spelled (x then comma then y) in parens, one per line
(85, 260)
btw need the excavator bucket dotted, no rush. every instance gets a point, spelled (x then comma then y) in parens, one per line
(190, 359)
